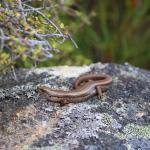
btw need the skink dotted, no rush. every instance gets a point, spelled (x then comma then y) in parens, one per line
(103, 78)
(85, 87)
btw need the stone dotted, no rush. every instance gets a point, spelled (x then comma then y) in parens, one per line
(120, 120)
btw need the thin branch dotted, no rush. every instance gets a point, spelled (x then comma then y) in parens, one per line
(18, 10)
(28, 42)
(47, 19)
(14, 74)
(52, 35)
(2, 39)
(21, 8)
(75, 44)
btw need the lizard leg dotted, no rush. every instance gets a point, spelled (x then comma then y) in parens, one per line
(63, 103)
(99, 91)
(103, 88)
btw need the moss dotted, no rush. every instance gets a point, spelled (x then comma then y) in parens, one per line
(132, 130)
(106, 119)
(55, 147)
(136, 130)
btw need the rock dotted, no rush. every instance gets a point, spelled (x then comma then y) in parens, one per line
(119, 121)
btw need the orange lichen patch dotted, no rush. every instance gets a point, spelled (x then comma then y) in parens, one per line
(23, 114)
(140, 114)
(38, 131)
(25, 127)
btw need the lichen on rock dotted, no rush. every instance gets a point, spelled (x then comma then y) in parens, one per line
(118, 121)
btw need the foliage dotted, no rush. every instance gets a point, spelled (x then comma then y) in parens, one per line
(108, 31)
(28, 32)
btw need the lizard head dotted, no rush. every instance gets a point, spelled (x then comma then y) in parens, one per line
(42, 89)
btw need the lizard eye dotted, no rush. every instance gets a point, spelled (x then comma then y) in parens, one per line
(41, 89)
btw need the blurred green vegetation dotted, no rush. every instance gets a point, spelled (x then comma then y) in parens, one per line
(29, 32)
(114, 31)
(108, 31)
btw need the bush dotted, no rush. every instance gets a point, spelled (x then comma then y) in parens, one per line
(109, 31)
(28, 32)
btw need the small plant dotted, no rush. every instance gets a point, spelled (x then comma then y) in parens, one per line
(29, 32)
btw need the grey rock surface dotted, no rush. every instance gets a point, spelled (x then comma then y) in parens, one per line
(120, 120)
